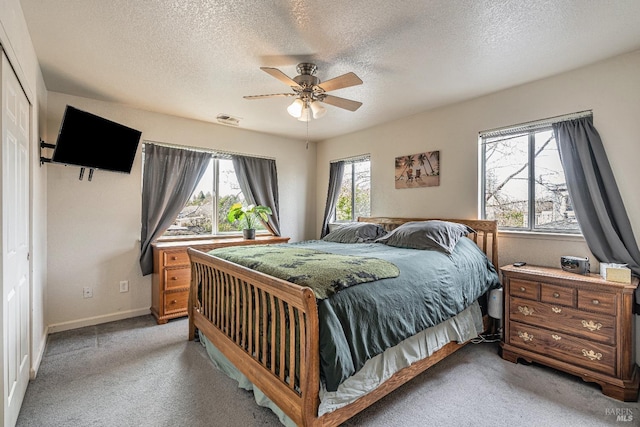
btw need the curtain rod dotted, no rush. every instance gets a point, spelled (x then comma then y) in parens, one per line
(539, 123)
(204, 150)
(353, 158)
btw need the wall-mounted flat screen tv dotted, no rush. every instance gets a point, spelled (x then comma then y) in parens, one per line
(89, 141)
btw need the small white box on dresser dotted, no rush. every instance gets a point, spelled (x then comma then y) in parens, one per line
(615, 272)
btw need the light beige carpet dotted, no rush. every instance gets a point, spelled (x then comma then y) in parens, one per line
(136, 373)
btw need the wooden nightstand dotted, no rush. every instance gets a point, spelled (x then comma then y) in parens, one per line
(172, 271)
(576, 323)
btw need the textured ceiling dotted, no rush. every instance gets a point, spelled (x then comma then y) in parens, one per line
(198, 58)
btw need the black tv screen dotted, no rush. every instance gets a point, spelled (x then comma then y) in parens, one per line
(90, 141)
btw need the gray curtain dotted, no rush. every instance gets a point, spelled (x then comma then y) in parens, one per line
(258, 179)
(170, 177)
(336, 170)
(594, 193)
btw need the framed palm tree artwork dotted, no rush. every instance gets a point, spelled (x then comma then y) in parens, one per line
(418, 170)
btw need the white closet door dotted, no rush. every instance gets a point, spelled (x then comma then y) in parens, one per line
(15, 242)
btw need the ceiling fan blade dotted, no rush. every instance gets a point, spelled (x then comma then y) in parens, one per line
(345, 80)
(271, 95)
(336, 101)
(281, 76)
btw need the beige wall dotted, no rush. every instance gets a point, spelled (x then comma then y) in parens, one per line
(610, 88)
(94, 227)
(16, 43)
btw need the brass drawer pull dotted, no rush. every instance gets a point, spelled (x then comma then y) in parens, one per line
(556, 310)
(595, 302)
(525, 310)
(591, 354)
(556, 295)
(525, 336)
(556, 337)
(590, 325)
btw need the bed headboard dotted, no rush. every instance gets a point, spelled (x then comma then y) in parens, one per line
(486, 235)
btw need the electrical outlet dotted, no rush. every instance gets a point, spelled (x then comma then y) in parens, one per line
(124, 286)
(87, 292)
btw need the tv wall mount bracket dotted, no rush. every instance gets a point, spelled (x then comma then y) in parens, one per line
(44, 160)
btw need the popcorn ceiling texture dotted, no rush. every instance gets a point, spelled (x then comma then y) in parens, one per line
(198, 58)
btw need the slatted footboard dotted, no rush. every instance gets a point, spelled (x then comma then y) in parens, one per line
(267, 327)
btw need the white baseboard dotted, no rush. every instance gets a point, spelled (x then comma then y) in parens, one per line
(36, 358)
(90, 321)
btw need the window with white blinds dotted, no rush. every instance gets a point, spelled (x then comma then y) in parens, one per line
(523, 184)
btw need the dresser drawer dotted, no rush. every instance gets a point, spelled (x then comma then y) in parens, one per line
(582, 324)
(175, 301)
(594, 356)
(175, 278)
(600, 302)
(557, 295)
(172, 258)
(524, 289)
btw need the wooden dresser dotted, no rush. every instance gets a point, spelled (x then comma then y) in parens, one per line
(172, 272)
(580, 324)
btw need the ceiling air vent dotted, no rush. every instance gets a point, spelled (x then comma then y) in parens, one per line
(226, 119)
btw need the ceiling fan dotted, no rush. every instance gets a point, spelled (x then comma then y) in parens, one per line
(310, 92)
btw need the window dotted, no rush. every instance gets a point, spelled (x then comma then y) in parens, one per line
(355, 193)
(523, 182)
(206, 211)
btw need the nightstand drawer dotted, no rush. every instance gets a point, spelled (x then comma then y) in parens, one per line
(524, 289)
(176, 258)
(597, 301)
(175, 301)
(175, 278)
(582, 324)
(558, 295)
(594, 356)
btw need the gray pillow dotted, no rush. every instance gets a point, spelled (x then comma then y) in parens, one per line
(355, 232)
(438, 235)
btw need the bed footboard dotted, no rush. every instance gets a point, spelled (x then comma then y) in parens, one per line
(267, 327)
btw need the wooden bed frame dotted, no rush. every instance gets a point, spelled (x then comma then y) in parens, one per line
(232, 306)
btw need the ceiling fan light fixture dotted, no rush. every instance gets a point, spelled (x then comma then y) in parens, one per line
(310, 91)
(318, 110)
(296, 108)
(305, 113)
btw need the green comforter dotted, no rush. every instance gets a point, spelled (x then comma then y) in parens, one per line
(359, 322)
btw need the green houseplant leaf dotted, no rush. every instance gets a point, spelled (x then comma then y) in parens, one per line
(248, 215)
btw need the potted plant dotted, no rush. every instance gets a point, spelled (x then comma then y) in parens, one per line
(248, 215)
